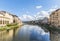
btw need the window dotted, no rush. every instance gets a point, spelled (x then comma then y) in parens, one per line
(3, 22)
(6, 22)
(0, 22)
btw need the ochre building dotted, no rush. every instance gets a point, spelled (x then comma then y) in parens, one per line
(55, 18)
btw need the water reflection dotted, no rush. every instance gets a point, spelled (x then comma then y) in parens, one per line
(25, 33)
(6, 35)
(31, 33)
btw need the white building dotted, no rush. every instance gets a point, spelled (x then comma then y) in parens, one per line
(7, 18)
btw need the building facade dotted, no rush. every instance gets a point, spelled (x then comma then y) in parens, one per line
(55, 18)
(16, 19)
(7, 18)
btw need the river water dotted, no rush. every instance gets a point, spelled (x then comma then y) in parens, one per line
(31, 33)
(25, 33)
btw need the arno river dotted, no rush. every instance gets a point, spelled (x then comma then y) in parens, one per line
(25, 33)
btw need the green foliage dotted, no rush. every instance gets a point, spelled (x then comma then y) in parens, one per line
(12, 24)
(9, 26)
(51, 28)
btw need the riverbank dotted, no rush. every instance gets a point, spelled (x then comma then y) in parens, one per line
(10, 26)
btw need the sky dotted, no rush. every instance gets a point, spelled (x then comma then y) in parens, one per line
(29, 9)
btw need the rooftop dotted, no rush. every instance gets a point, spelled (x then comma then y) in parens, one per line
(4, 12)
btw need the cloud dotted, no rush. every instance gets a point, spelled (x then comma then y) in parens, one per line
(38, 15)
(45, 13)
(41, 14)
(27, 17)
(53, 8)
(38, 7)
(56, 6)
